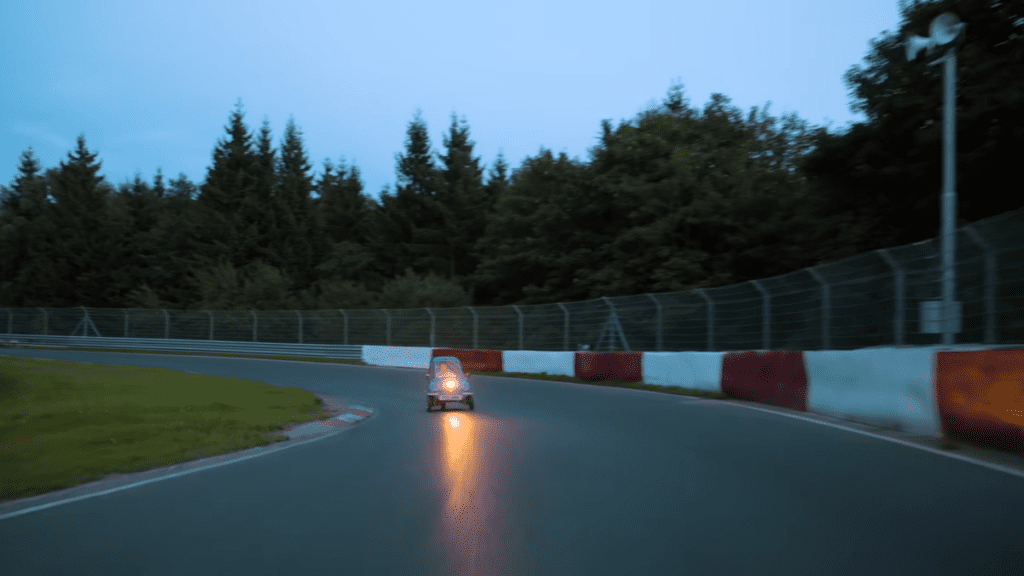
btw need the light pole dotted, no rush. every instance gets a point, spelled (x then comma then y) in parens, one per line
(945, 29)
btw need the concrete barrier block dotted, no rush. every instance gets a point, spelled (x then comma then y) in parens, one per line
(884, 386)
(538, 362)
(405, 357)
(981, 397)
(776, 377)
(693, 370)
(596, 366)
(479, 360)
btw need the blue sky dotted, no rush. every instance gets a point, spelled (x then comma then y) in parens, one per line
(151, 84)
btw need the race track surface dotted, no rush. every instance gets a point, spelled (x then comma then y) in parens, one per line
(542, 478)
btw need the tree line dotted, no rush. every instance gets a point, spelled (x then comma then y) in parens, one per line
(675, 198)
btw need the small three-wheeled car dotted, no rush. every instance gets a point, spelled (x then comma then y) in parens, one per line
(446, 382)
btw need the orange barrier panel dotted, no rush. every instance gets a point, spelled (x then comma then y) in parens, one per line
(596, 366)
(981, 396)
(778, 377)
(479, 360)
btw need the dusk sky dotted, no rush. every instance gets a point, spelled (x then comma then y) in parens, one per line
(151, 84)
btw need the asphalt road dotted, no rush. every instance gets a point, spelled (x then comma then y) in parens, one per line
(542, 478)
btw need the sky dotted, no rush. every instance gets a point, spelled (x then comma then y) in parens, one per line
(152, 84)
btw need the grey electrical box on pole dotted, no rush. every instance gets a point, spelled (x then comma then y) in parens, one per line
(945, 29)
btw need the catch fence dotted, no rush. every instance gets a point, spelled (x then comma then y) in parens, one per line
(880, 298)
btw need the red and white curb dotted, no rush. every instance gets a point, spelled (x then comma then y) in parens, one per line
(349, 416)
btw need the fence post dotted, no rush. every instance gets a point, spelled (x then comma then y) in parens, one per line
(253, 312)
(766, 329)
(900, 288)
(658, 304)
(565, 311)
(299, 314)
(516, 308)
(46, 322)
(344, 320)
(431, 313)
(991, 272)
(388, 316)
(825, 307)
(167, 324)
(711, 319)
(473, 312)
(125, 322)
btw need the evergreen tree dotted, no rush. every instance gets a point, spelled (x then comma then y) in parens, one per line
(223, 217)
(464, 205)
(140, 208)
(175, 234)
(400, 234)
(298, 232)
(74, 265)
(345, 214)
(22, 208)
(262, 218)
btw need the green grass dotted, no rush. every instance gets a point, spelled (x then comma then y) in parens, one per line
(67, 423)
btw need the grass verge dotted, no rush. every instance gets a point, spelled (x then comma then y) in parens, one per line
(67, 423)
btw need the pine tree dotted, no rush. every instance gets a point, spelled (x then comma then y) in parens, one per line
(74, 264)
(22, 208)
(176, 231)
(298, 230)
(401, 233)
(260, 215)
(464, 205)
(223, 227)
(142, 267)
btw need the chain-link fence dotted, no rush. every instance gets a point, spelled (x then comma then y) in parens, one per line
(885, 297)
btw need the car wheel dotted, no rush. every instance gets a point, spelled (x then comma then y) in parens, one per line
(430, 403)
(469, 402)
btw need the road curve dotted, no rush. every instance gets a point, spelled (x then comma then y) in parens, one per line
(542, 478)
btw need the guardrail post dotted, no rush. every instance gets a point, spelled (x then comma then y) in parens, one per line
(210, 314)
(46, 322)
(299, 314)
(516, 308)
(565, 311)
(388, 316)
(344, 321)
(900, 289)
(658, 304)
(766, 319)
(475, 324)
(253, 312)
(125, 322)
(825, 307)
(167, 324)
(991, 272)
(711, 318)
(431, 313)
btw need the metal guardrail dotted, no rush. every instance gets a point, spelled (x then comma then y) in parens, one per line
(336, 351)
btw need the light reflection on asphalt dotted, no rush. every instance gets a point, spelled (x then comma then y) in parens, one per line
(462, 520)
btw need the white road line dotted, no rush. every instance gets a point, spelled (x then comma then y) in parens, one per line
(998, 467)
(159, 478)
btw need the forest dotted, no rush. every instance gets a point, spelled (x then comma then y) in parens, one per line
(677, 197)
